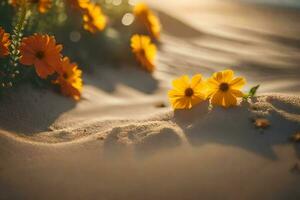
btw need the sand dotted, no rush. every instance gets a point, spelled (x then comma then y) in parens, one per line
(123, 141)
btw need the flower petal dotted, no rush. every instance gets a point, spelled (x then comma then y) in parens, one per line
(196, 100)
(237, 83)
(237, 93)
(227, 75)
(229, 100)
(217, 98)
(43, 69)
(181, 103)
(197, 79)
(181, 83)
(175, 94)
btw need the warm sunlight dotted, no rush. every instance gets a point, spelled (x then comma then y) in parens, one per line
(149, 100)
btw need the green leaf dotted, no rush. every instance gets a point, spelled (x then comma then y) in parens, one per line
(253, 91)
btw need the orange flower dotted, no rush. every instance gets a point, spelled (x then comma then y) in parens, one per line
(4, 43)
(144, 51)
(69, 79)
(42, 52)
(146, 17)
(93, 18)
(42, 5)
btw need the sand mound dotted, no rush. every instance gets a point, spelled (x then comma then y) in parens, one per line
(188, 154)
(122, 141)
(198, 125)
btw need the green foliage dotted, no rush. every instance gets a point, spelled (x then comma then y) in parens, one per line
(252, 92)
(53, 19)
(10, 70)
(62, 21)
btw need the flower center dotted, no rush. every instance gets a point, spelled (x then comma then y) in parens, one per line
(189, 92)
(65, 75)
(40, 55)
(143, 52)
(224, 87)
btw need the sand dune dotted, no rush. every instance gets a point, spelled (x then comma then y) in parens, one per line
(202, 153)
(123, 141)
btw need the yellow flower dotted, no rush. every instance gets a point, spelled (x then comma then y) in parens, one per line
(146, 17)
(187, 93)
(144, 51)
(69, 79)
(93, 18)
(224, 89)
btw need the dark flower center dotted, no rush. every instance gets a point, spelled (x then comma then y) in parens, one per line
(40, 55)
(224, 87)
(65, 75)
(189, 92)
(143, 52)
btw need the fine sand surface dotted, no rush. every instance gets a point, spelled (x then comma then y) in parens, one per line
(123, 141)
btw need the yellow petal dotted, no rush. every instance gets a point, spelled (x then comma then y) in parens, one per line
(211, 87)
(181, 83)
(227, 75)
(181, 103)
(217, 98)
(218, 76)
(175, 93)
(197, 79)
(237, 93)
(237, 83)
(229, 100)
(196, 100)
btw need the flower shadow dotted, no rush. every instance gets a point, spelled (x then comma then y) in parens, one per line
(233, 127)
(108, 79)
(27, 110)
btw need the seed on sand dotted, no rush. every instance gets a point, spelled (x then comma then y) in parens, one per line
(262, 123)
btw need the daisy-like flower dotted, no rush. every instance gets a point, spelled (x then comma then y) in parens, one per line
(42, 5)
(144, 50)
(4, 43)
(93, 18)
(224, 89)
(69, 79)
(187, 93)
(146, 17)
(42, 52)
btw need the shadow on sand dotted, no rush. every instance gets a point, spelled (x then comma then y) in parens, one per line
(234, 127)
(23, 110)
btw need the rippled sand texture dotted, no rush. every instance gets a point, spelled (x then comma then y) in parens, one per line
(121, 142)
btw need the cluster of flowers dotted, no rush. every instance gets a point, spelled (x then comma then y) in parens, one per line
(93, 18)
(222, 89)
(142, 45)
(42, 52)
